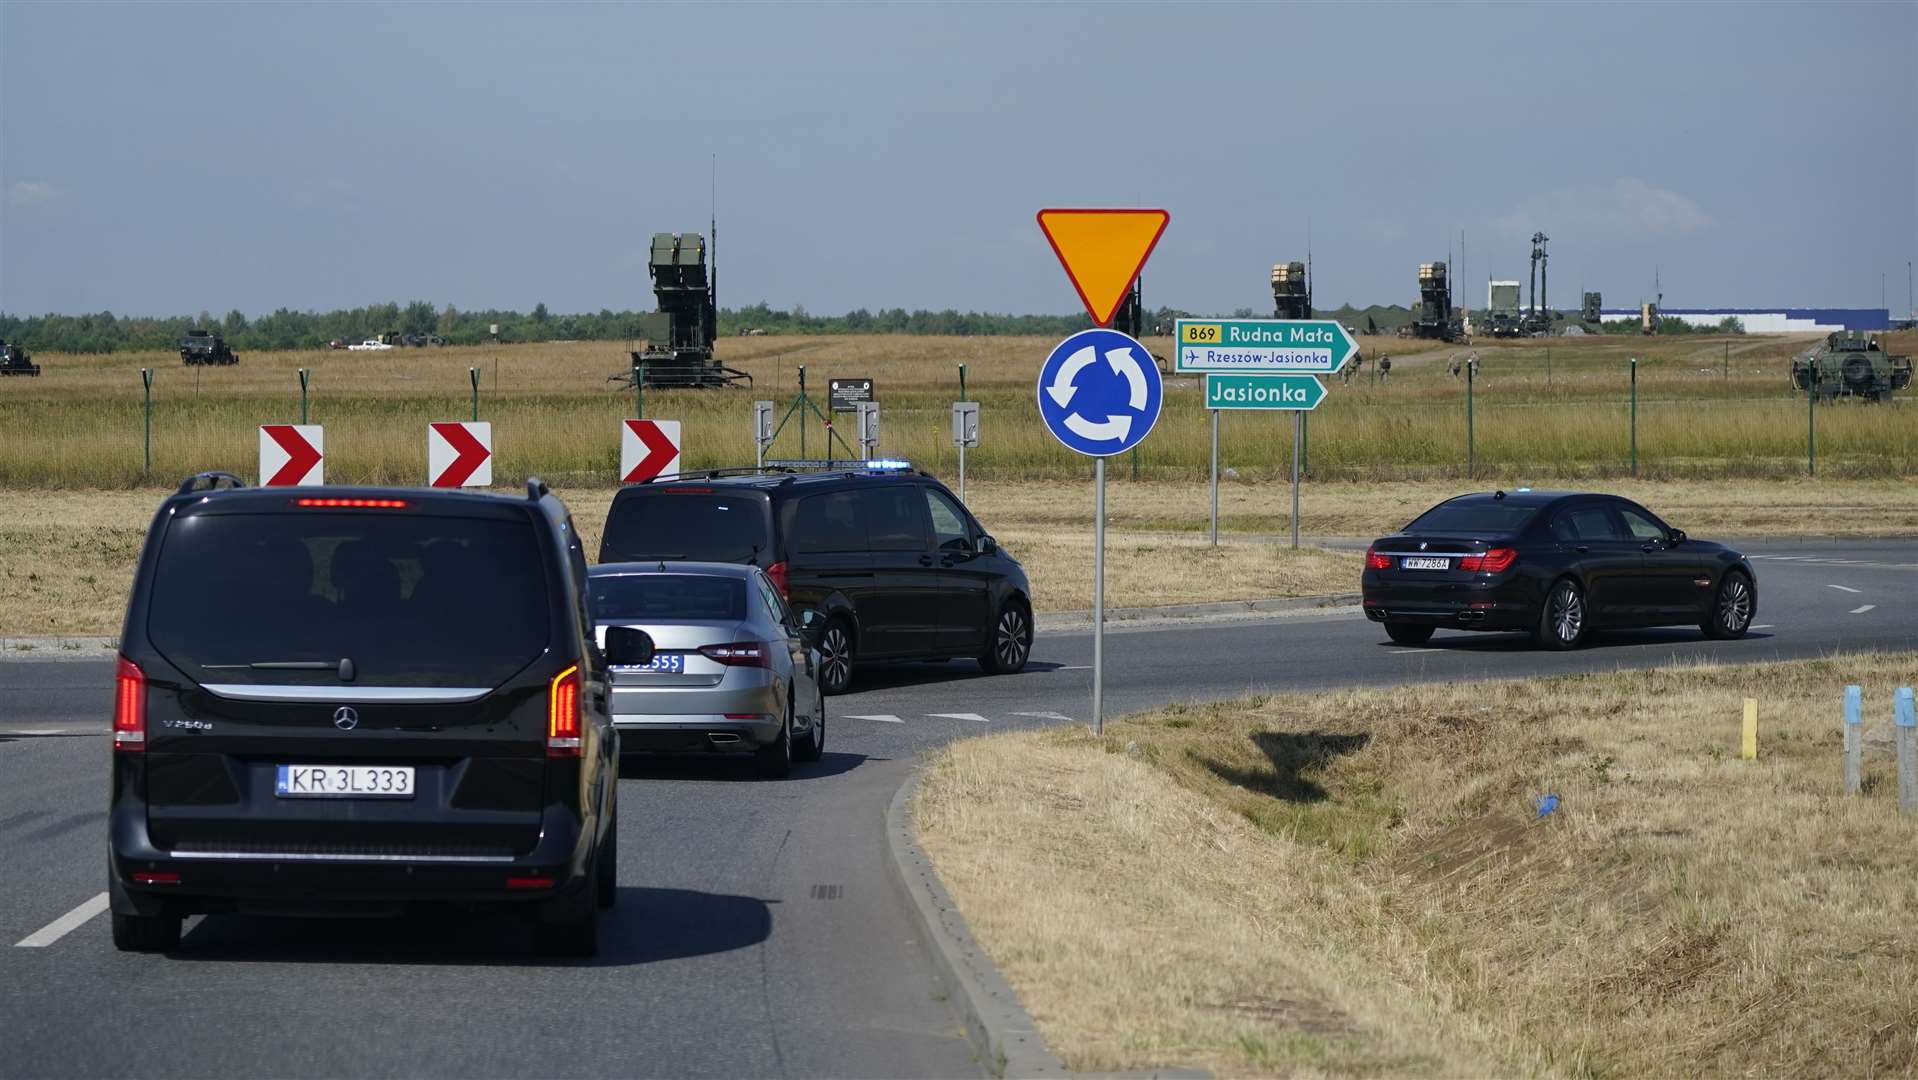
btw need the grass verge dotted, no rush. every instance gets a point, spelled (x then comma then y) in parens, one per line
(1358, 881)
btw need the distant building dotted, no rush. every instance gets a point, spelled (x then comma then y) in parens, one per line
(1776, 320)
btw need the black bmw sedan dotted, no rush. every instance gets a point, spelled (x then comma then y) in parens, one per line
(1555, 564)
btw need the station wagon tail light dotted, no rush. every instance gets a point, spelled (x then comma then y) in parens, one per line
(739, 654)
(562, 715)
(355, 504)
(1493, 561)
(778, 572)
(130, 708)
(1376, 561)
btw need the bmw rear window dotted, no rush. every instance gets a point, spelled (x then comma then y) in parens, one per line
(667, 597)
(1474, 518)
(687, 525)
(410, 600)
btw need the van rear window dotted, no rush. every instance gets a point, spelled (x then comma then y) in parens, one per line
(412, 601)
(695, 526)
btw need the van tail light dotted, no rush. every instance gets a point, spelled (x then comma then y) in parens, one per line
(562, 715)
(1376, 561)
(156, 877)
(1493, 561)
(777, 572)
(130, 708)
(739, 654)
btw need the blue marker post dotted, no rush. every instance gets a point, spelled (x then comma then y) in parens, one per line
(1907, 725)
(1854, 740)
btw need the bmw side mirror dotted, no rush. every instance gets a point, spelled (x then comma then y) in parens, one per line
(1678, 537)
(987, 545)
(627, 647)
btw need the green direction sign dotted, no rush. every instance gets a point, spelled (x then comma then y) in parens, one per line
(1317, 346)
(1291, 392)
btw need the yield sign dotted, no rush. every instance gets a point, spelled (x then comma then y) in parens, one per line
(459, 454)
(648, 450)
(1102, 251)
(292, 455)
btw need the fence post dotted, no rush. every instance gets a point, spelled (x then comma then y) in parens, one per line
(1470, 459)
(639, 393)
(1904, 721)
(1634, 416)
(962, 383)
(1748, 744)
(472, 374)
(802, 419)
(304, 376)
(1854, 740)
(1811, 421)
(146, 376)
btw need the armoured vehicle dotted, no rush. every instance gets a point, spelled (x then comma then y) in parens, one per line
(1435, 318)
(680, 351)
(1590, 311)
(1291, 292)
(1850, 364)
(1501, 309)
(206, 347)
(14, 360)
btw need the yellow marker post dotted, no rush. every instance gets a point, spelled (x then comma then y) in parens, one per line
(1749, 749)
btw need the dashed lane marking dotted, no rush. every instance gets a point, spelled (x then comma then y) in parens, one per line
(1403, 652)
(883, 718)
(1844, 588)
(1046, 716)
(1862, 610)
(973, 716)
(63, 925)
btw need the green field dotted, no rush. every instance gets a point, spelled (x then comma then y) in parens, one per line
(1708, 408)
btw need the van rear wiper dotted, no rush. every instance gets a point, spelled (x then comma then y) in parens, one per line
(344, 666)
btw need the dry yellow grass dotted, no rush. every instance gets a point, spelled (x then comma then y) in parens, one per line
(1356, 881)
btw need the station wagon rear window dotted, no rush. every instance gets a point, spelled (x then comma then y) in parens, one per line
(410, 600)
(667, 598)
(1473, 518)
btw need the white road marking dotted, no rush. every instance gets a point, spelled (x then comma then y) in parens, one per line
(1402, 652)
(884, 718)
(1862, 610)
(63, 925)
(973, 716)
(1075, 667)
(1844, 588)
(1762, 626)
(1046, 716)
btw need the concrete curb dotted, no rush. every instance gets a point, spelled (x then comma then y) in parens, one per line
(58, 648)
(1224, 609)
(1001, 1032)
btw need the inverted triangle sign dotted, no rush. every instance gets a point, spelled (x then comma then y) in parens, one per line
(1103, 251)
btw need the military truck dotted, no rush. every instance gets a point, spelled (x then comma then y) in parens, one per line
(1434, 317)
(1291, 292)
(679, 348)
(15, 360)
(1501, 309)
(1850, 364)
(206, 347)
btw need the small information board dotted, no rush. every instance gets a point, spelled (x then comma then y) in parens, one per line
(848, 394)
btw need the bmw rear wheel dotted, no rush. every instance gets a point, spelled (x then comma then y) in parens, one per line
(1562, 624)
(835, 657)
(1009, 645)
(1732, 608)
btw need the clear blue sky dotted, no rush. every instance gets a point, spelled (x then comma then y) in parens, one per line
(160, 158)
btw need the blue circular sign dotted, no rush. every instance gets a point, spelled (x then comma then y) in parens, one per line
(1099, 393)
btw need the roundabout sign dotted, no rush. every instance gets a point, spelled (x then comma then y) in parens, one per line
(1099, 393)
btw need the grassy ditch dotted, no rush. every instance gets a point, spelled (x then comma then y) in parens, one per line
(1708, 408)
(1358, 881)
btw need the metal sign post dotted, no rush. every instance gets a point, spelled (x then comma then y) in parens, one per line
(1215, 477)
(1298, 439)
(965, 433)
(868, 428)
(1634, 416)
(762, 433)
(1098, 595)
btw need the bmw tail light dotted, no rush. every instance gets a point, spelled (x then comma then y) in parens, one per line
(1376, 561)
(1493, 561)
(130, 708)
(562, 715)
(777, 572)
(739, 654)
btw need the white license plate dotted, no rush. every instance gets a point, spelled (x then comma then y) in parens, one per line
(1413, 562)
(662, 663)
(344, 782)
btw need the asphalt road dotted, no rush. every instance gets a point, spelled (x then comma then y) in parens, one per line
(757, 932)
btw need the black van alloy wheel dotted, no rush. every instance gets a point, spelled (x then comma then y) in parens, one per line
(1011, 642)
(1732, 608)
(835, 657)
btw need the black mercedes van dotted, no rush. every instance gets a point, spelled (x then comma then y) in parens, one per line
(352, 701)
